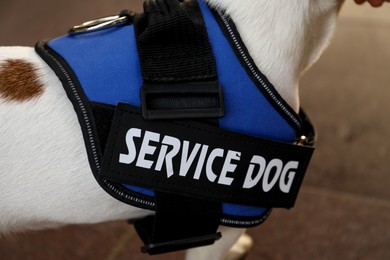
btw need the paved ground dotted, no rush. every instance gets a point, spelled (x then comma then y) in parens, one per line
(343, 210)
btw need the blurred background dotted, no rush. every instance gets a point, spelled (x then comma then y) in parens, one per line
(343, 210)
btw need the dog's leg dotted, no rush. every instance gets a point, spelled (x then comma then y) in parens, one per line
(241, 248)
(232, 246)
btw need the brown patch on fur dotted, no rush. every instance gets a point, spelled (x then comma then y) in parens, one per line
(19, 80)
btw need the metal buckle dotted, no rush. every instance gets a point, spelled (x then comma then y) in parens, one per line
(302, 140)
(101, 23)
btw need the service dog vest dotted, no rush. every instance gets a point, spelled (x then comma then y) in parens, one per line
(231, 142)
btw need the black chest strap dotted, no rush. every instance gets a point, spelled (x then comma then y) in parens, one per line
(180, 81)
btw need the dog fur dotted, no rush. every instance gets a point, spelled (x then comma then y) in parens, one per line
(45, 177)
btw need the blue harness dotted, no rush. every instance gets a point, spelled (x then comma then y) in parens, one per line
(101, 68)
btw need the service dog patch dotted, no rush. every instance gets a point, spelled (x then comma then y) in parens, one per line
(200, 160)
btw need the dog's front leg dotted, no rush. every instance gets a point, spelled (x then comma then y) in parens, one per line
(230, 247)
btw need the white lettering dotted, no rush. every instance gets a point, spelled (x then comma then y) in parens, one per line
(201, 160)
(270, 174)
(168, 157)
(229, 167)
(147, 149)
(129, 158)
(275, 163)
(161, 157)
(218, 152)
(285, 187)
(250, 182)
(186, 161)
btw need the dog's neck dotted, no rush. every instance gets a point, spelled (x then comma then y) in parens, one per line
(284, 37)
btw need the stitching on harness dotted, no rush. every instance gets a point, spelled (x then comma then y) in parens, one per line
(91, 139)
(246, 222)
(82, 108)
(253, 71)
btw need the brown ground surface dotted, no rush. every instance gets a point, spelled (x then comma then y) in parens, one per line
(343, 210)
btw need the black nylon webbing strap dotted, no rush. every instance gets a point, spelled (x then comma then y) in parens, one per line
(180, 81)
(177, 64)
(172, 45)
(180, 223)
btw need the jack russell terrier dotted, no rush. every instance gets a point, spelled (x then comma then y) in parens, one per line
(45, 169)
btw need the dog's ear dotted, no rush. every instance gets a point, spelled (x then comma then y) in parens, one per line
(19, 81)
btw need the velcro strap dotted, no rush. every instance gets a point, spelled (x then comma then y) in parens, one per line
(203, 161)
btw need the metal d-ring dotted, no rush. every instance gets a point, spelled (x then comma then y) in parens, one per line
(100, 23)
(303, 140)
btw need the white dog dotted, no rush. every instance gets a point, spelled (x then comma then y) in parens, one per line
(45, 177)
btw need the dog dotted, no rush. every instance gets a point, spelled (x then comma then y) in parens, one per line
(45, 177)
